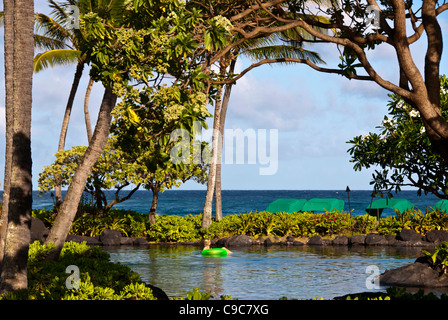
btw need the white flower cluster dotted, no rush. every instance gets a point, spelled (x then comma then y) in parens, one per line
(223, 22)
(172, 15)
(172, 112)
(444, 91)
(388, 121)
(414, 114)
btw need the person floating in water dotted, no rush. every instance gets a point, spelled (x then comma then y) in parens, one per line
(208, 242)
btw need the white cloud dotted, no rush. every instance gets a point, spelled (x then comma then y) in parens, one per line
(270, 102)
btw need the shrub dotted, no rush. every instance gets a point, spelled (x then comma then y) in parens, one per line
(99, 278)
(389, 225)
(439, 258)
(364, 224)
(331, 222)
(128, 222)
(173, 229)
(253, 223)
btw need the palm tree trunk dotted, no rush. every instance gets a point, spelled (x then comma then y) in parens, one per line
(207, 212)
(86, 110)
(15, 258)
(225, 104)
(66, 120)
(9, 100)
(67, 211)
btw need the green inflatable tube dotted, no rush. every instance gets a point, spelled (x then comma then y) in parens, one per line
(214, 252)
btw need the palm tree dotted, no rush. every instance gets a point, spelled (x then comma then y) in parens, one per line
(279, 47)
(19, 53)
(64, 48)
(55, 31)
(112, 11)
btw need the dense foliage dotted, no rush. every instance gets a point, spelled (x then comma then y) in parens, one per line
(92, 222)
(256, 224)
(99, 278)
(301, 224)
(402, 150)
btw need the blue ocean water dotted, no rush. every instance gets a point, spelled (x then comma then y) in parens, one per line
(184, 202)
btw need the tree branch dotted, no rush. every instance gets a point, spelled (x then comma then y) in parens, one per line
(291, 60)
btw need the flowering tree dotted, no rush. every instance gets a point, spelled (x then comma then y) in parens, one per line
(403, 150)
(117, 169)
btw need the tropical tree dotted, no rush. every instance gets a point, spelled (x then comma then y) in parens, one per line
(17, 205)
(355, 27)
(117, 169)
(61, 42)
(402, 150)
(111, 170)
(153, 39)
(157, 137)
(271, 48)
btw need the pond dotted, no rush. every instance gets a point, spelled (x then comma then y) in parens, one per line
(263, 273)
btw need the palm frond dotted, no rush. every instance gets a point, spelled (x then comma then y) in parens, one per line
(53, 58)
(109, 10)
(60, 11)
(49, 27)
(47, 43)
(282, 51)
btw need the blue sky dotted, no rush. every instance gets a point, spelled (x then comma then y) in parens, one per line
(314, 113)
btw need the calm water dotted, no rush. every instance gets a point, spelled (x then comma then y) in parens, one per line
(184, 202)
(257, 273)
(263, 273)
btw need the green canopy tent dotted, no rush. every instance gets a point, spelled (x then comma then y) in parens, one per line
(286, 205)
(376, 207)
(329, 204)
(442, 205)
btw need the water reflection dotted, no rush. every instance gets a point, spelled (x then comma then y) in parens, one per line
(260, 272)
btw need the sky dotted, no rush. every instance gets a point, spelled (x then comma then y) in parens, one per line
(314, 114)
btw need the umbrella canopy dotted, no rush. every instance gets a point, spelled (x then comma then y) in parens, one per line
(442, 205)
(286, 205)
(329, 204)
(377, 206)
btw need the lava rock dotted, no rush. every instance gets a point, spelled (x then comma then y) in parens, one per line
(373, 239)
(39, 231)
(157, 292)
(341, 241)
(357, 240)
(436, 236)
(140, 242)
(268, 242)
(110, 237)
(414, 275)
(240, 240)
(409, 235)
(315, 241)
(91, 241)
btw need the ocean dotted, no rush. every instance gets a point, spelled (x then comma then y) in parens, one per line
(184, 202)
